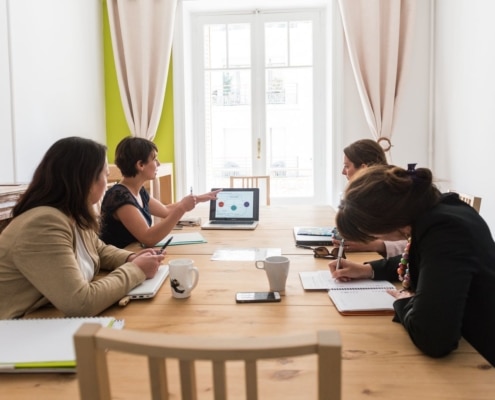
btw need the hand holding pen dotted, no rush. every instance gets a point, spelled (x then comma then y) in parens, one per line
(162, 249)
(341, 252)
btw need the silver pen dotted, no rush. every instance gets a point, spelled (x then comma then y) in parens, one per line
(341, 252)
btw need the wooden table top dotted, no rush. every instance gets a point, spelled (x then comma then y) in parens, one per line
(379, 359)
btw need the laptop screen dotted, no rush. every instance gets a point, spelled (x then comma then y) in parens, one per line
(235, 204)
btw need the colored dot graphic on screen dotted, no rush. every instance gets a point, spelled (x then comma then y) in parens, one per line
(221, 204)
(233, 207)
(246, 204)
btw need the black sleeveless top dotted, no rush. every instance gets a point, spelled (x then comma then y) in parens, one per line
(113, 231)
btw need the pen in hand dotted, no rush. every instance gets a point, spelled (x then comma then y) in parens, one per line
(340, 254)
(165, 245)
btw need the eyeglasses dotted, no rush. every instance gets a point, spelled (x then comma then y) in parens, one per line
(322, 252)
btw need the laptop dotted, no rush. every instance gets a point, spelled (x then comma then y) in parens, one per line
(149, 288)
(234, 208)
(314, 236)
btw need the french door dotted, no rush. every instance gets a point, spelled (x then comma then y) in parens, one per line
(256, 111)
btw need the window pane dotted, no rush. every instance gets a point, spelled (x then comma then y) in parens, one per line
(228, 125)
(289, 112)
(276, 44)
(215, 46)
(239, 45)
(300, 43)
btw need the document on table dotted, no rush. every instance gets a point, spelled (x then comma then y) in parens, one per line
(183, 238)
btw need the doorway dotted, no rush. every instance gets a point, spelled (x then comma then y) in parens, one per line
(257, 109)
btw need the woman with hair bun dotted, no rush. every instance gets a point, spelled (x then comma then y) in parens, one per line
(360, 155)
(447, 269)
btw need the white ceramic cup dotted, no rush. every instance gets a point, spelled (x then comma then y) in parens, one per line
(277, 270)
(183, 276)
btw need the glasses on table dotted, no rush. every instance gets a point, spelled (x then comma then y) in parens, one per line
(323, 252)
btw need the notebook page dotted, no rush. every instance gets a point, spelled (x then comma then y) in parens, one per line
(318, 280)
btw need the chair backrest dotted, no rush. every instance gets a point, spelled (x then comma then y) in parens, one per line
(256, 181)
(473, 201)
(93, 342)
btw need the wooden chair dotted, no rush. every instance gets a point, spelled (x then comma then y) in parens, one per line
(93, 342)
(473, 201)
(260, 181)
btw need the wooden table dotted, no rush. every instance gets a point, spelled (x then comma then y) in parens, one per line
(379, 359)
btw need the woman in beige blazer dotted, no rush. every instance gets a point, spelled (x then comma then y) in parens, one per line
(50, 252)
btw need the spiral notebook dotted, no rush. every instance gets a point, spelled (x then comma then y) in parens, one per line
(360, 297)
(43, 345)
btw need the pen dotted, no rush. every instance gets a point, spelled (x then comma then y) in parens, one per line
(165, 245)
(341, 252)
(191, 190)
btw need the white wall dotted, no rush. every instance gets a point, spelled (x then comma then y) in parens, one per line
(6, 149)
(464, 119)
(56, 77)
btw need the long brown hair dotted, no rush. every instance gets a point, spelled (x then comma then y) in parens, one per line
(64, 178)
(365, 151)
(384, 198)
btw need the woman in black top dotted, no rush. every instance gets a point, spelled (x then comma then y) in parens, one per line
(127, 207)
(447, 269)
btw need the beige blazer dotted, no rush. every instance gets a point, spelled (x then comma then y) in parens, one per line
(38, 265)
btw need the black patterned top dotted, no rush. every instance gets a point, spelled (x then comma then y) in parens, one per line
(113, 231)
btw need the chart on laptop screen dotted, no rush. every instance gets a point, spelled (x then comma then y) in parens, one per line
(234, 205)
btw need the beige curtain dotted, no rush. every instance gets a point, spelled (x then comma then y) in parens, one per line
(378, 35)
(142, 33)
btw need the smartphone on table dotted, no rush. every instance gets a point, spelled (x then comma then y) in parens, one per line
(257, 297)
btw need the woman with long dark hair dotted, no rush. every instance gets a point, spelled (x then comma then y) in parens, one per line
(50, 251)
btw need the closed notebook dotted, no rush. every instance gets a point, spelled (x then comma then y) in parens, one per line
(43, 345)
(314, 236)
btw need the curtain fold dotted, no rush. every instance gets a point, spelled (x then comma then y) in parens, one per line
(142, 35)
(378, 36)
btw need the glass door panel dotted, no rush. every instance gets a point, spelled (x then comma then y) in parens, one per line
(258, 105)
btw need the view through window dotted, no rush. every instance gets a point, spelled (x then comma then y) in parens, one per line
(258, 102)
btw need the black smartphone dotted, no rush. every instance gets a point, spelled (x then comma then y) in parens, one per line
(257, 297)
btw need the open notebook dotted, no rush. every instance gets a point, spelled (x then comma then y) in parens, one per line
(359, 297)
(234, 208)
(149, 288)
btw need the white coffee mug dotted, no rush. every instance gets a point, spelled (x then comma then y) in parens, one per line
(277, 270)
(183, 277)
